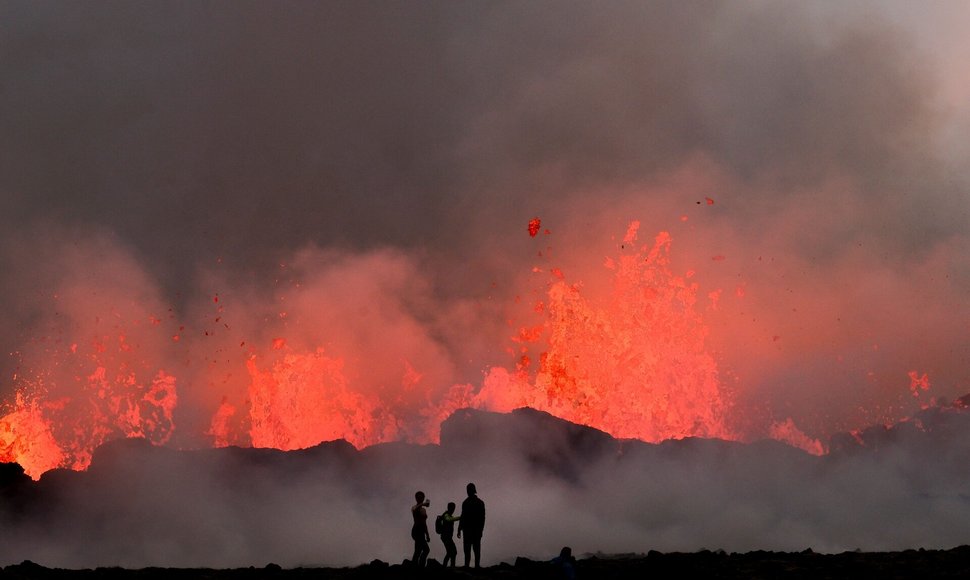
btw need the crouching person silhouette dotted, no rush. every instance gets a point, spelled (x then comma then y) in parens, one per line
(472, 524)
(419, 531)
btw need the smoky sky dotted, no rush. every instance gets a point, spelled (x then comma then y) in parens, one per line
(245, 128)
(187, 137)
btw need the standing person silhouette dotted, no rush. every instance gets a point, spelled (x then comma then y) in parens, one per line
(419, 531)
(565, 564)
(448, 520)
(472, 523)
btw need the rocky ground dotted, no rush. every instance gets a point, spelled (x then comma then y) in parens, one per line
(954, 563)
(137, 504)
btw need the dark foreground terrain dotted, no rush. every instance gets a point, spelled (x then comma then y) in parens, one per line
(547, 483)
(954, 563)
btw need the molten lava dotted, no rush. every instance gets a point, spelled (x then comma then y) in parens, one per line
(305, 399)
(534, 225)
(59, 420)
(632, 362)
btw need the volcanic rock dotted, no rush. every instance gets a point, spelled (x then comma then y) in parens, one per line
(546, 482)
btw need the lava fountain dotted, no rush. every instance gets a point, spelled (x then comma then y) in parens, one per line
(632, 363)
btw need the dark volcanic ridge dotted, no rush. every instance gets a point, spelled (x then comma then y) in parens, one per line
(546, 483)
(954, 563)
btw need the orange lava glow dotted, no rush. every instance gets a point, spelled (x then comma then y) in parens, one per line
(534, 225)
(632, 363)
(304, 399)
(787, 432)
(26, 438)
(42, 432)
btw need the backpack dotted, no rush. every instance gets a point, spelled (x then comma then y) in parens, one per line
(439, 524)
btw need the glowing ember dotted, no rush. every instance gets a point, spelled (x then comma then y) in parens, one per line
(918, 383)
(534, 225)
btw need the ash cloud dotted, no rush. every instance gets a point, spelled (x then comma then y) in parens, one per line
(202, 130)
(389, 157)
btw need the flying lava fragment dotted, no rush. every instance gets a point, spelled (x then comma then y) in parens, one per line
(534, 225)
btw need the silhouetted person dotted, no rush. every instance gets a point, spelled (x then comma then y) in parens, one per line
(472, 524)
(565, 564)
(448, 520)
(419, 531)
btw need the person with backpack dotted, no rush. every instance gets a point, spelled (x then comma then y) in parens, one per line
(444, 526)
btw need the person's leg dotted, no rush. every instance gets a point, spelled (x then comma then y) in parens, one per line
(417, 551)
(467, 545)
(425, 550)
(451, 551)
(477, 547)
